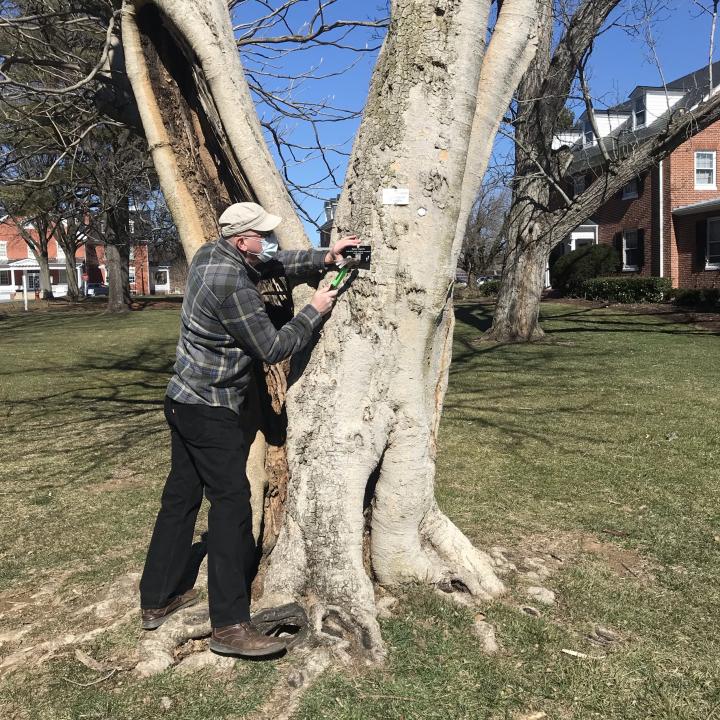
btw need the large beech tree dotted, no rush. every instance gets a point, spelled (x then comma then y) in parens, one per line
(351, 502)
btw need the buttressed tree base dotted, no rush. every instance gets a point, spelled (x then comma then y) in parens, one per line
(348, 486)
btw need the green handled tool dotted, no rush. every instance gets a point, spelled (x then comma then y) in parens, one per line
(339, 277)
(354, 257)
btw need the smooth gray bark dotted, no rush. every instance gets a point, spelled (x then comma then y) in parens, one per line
(364, 405)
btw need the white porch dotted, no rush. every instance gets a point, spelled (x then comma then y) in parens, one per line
(586, 234)
(11, 278)
(160, 279)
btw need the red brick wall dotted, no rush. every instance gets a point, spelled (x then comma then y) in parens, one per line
(17, 248)
(682, 229)
(617, 215)
(689, 267)
(141, 286)
(670, 255)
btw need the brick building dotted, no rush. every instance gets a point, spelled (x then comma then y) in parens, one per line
(665, 223)
(17, 260)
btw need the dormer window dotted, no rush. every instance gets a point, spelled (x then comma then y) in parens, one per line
(639, 114)
(330, 209)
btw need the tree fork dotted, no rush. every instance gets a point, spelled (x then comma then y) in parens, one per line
(364, 403)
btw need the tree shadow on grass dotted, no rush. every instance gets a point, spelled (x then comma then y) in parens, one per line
(102, 406)
(589, 319)
(478, 317)
(524, 398)
(598, 319)
(541, 392)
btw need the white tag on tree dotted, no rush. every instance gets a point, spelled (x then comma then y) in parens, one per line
(395, 196)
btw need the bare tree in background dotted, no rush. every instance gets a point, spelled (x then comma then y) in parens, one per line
(483, 245)
(544, 210)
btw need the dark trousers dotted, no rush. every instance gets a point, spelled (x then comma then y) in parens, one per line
(209, 448)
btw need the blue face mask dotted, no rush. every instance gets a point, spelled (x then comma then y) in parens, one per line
(269, 247)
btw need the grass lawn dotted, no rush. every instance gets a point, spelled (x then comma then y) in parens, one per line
(596, 448)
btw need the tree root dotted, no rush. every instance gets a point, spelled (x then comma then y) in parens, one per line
(118, 605)
(349, 635)
(334, 637)
(309, 664)
(42, 652)
(326, 634)
(469, 569)
(157, 648)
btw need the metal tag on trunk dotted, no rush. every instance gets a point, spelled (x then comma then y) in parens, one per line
(395, 196)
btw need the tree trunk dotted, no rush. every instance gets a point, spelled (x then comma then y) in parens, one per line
(364, 403)
(73, 291)
(518, 304)
(46, 291)
(117, 253)
(363, 416)
(117, 258)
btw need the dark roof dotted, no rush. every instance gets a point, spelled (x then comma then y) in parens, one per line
(621, 108)
(699, 207)
(695, 85)
(698, 79)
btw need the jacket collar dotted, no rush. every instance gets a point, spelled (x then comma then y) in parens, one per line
(229, 251)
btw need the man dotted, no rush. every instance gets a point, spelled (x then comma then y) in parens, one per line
(224, 328)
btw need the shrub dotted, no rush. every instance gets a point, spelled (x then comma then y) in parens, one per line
(489, 288)
(627, 289)
(696, 297)
(570, 271)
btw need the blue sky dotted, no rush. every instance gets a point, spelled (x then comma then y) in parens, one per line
(620, 62)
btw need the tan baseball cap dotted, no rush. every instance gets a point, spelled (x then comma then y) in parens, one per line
(247, 216)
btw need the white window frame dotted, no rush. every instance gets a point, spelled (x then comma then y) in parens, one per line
(131, 274)
(706, 186)
(712, 265)
(640, 106)
(626, 233)
(3, 251)
(10, 275)
(159, 270)
(33, 280)
(631, 191)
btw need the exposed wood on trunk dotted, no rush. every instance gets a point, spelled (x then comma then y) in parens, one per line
(363, 407)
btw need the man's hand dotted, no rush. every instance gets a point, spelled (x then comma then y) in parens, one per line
(323, 300)
(334, 254)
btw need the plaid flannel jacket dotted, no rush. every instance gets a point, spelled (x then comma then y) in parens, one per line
(224, 326)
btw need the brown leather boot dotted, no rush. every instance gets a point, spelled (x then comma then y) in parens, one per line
(245, 640)
(154, 617)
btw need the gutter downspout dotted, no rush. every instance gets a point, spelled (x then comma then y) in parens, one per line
(662, 219)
